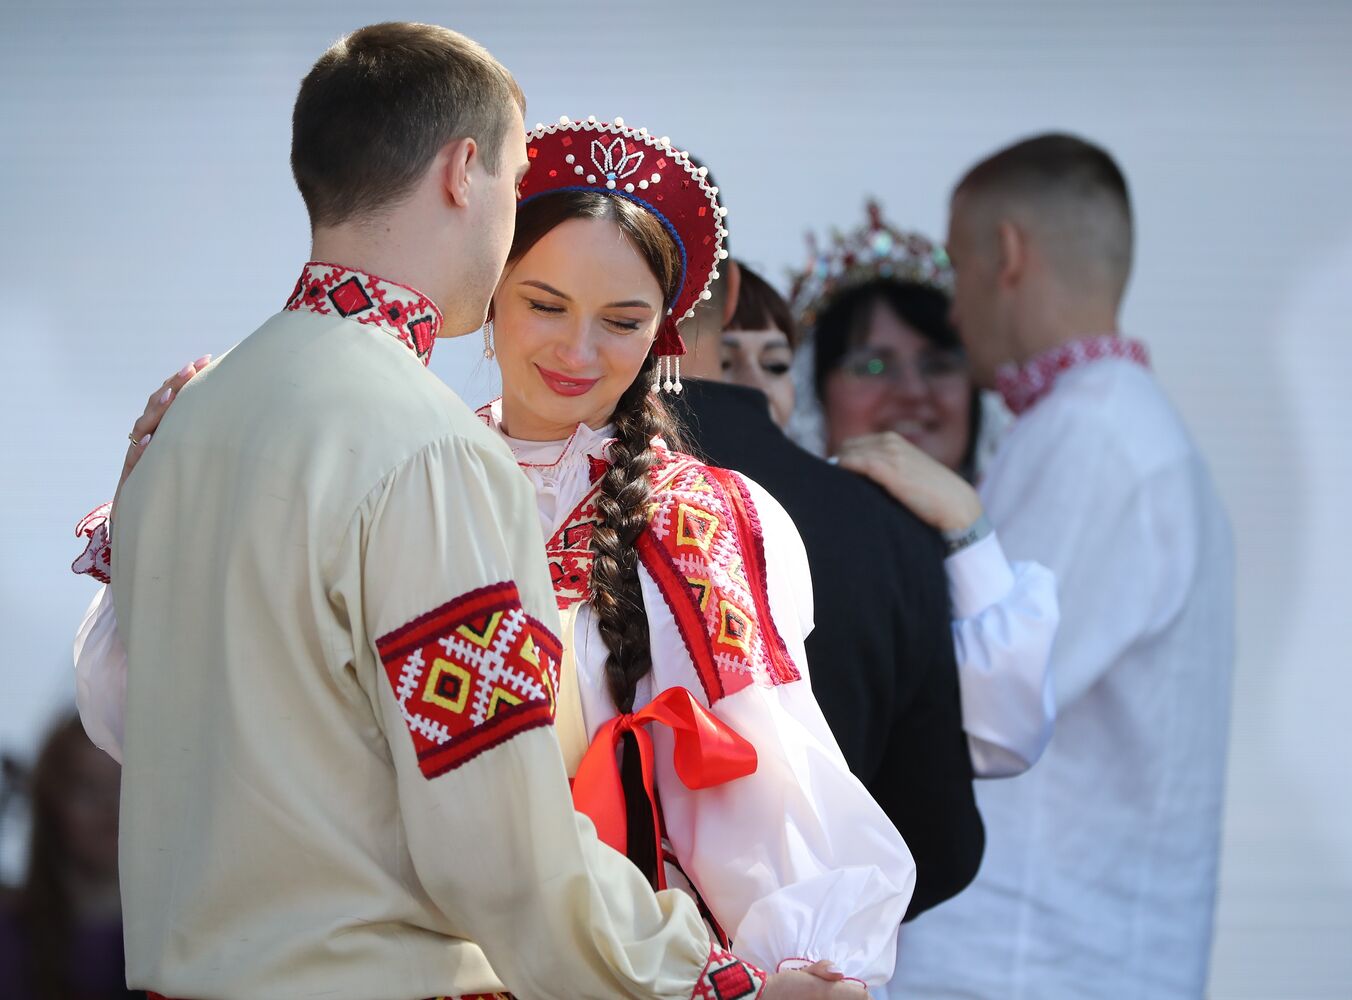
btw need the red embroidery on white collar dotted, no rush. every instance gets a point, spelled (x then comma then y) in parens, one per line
(407, 315)
(1023, 385)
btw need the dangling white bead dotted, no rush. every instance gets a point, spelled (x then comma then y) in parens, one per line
(489, 353)
(677, 387)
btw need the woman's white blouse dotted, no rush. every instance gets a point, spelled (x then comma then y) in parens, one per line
(796, 862)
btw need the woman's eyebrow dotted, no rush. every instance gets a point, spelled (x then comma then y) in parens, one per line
(627, 304)
(548, 288)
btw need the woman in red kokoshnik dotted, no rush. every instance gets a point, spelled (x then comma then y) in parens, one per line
(684, 589)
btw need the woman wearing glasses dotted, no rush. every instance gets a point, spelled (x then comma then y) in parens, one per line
(900, 409)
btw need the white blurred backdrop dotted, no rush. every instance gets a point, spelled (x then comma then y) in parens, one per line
(149, 216)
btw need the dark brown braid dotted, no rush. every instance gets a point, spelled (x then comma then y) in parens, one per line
(617, 599)
(639, 416)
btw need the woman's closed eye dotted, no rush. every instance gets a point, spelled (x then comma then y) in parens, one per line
(777, 368)
(544, 307)
(623, 325)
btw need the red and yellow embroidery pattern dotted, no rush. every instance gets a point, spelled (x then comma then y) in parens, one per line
(470, 675)
(704, 548)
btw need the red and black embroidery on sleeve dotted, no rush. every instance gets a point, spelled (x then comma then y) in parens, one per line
(727, 977)
(471, 674)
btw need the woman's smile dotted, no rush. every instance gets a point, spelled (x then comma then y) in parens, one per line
(566, 385)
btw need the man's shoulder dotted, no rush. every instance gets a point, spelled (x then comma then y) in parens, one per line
(1115, 408)
(330, 383)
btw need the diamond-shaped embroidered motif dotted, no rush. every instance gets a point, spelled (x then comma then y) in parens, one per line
(470, 674)
(732, 982)
(448, 685)
(403, 313)
(350, 297)
(695, 527)
(736, 626)
(705, 551)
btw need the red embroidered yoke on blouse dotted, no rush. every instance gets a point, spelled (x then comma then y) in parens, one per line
(1022, 385)
(406, 314)
(705, 550)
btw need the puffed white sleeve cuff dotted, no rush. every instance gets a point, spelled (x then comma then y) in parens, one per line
(978, 576)
(101, 675)
(847, 916)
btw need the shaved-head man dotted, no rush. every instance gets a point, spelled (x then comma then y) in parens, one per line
(1100, 871)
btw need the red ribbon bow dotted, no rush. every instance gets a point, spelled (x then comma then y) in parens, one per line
(708, 752)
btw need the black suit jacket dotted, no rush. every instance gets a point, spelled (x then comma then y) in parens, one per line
(881, 655)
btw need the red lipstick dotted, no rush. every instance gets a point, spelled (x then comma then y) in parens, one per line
(564, 385)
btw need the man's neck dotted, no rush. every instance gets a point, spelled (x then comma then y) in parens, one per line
(1060, 325)
(374, 248)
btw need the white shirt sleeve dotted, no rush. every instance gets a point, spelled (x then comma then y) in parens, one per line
(1005, 620)
(101, 675)
(796, 861)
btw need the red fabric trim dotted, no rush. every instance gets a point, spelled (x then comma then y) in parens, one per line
(684, 608)
(752, 535)
(470, 675)
(727, 977)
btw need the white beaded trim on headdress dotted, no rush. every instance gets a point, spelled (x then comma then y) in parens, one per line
(615, 175)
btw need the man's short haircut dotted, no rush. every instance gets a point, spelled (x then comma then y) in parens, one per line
(378, 106)
(1069, 193)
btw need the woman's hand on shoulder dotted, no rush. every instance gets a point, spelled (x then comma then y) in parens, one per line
(933, 492)
(149, 421)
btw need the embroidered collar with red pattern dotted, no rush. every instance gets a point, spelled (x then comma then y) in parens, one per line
(1022, 385)
(404, 313)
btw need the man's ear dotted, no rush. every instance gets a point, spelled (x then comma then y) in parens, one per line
(457, 160)
(1013, 244)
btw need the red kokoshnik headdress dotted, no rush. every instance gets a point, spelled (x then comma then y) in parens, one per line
(613, 158)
